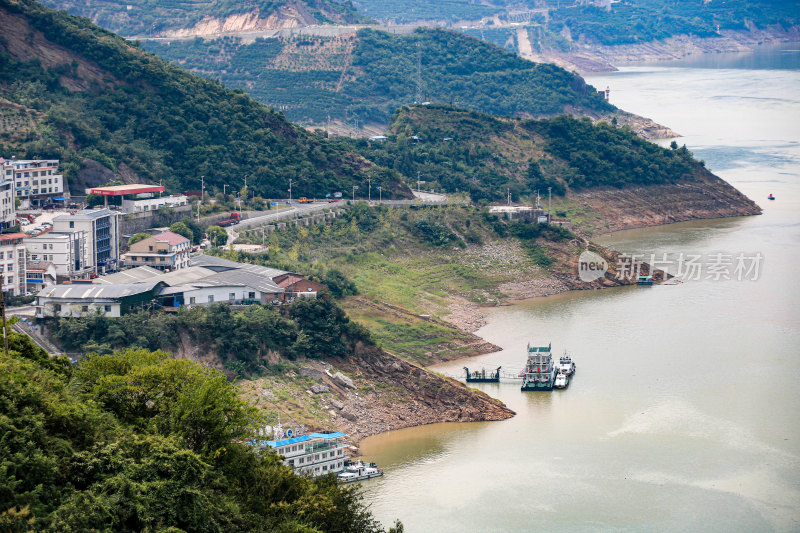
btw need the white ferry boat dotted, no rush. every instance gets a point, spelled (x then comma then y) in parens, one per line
(566, 365)
(359, 471)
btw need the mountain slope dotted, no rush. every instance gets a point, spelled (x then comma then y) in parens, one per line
(149, 17)
(95, 96)
(365, 77)
(607, 167)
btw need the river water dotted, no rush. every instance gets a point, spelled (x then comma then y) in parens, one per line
(684, 413)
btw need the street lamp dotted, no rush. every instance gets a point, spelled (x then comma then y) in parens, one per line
(354, 192)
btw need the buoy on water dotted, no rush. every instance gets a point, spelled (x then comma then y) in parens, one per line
(770, 197)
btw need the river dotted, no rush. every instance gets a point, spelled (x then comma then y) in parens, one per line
(684, 411)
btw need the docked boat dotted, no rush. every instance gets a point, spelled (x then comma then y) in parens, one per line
(359, 471)
(480, 376)
(540, 372)
(561, 382)
(565, 365)
(644, 280)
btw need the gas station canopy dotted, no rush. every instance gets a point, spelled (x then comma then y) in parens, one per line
(122, 190)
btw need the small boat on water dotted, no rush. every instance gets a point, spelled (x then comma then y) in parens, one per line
(770, 197)
(561, 382)
(565, 365)
(644, 280)
(480, 376)
(539, 373)
(359, 471)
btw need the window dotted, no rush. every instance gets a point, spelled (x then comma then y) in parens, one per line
(71, 224)
(85, 308)
(107, 308)
(57, 308)
(232, 296)
(10, 267)
(11, 255)
(191, 299)
(210, 298)
(251, 295)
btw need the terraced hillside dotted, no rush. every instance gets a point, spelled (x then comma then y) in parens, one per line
(364, 78)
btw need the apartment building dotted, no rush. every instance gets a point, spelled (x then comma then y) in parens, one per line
(35, 182)
(12, 264)
(102, 236)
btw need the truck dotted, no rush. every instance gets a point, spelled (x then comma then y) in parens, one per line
(234, 219)
(304, 200)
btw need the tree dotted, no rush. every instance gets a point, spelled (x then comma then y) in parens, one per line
(182, 229)
(217, 235)
(140, 237)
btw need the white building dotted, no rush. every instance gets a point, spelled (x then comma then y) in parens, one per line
(8, 211)
(152, 204)
(36, 182)
(316, 454)
(66, 250)
(166, 251)
(102, 236)
(12, 264)
(40, 275)
(81, 299)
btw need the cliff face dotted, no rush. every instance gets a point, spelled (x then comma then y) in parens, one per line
(286, 16)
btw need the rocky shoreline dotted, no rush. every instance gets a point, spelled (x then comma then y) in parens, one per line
(600, 58)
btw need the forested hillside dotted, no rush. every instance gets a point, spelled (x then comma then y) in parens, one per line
(88, 93)
(139, 441)
(367, 77)
(149, 17)
(487, 156)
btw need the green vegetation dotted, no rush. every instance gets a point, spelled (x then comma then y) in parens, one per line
(148, 17)
(217, 235)
(139, 441)
(240, 339)
(635, 21)
(454, 150)
(105, 99)
(314, 79)
(142, 236)
(400, 271)
(401, 11)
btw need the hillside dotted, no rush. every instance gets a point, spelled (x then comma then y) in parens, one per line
(363, 78)
(197, 17)
(139, 441)
(488, 157)
(88, 94)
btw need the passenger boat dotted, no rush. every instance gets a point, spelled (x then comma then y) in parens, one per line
(479, 376)
(644, 280)
(565, 365)
(539, 373)
(561, 382)
(358, 471)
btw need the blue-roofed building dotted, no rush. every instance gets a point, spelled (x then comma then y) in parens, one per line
(316, 454)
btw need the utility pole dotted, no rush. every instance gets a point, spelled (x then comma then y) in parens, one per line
(549, 202)
(3, 312)
(290, 191)
(380, 195)
(369, 189)
(508, 196)
(354, 192)
(418, 181)
(419, 72)
(224, 187)
(202, 188)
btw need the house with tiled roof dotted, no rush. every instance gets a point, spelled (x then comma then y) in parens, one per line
(166, 251)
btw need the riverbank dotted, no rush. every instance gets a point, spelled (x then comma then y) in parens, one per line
(587, 58)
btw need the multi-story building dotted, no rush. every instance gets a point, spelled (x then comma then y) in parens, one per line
(102, 236)
(12, 263)
(40, 275)
(35, 182)
(165, 251)
(316, 454)
(66, 250)
(8, 211)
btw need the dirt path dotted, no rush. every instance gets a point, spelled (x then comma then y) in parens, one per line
(524, 43)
